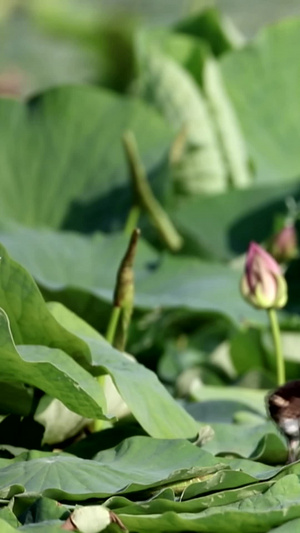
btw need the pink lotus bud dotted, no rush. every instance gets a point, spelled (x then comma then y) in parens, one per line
(284, 244)
(263, 284)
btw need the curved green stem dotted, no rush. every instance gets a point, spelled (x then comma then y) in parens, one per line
(145, 197)
(277, 344)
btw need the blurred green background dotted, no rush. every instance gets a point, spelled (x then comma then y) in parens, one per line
(49, 42)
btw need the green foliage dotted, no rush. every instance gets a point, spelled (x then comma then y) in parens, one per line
(261, 79)
(48, 344)
(215, 120)
(168, 282)
(72, 127)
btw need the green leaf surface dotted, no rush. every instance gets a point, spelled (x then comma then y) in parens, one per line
(52, 371)
(58, 260)
(225, 411)
(219, 481)
(156, 411)
(160, 504)
(30, 320)
(251, 398)
(167, 282)
(262, 81)
(195, 285)
(6, 527)
(290, 527)
(256, 469)
(42, 510)
(156, 462)
(233, 218)
(261, 442)
(258, 513)
(7, 515)
(15, 398)
(70, 148)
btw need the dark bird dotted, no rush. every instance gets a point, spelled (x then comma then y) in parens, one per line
(283, 405)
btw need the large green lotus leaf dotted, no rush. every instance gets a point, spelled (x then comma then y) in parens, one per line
(258, 512)
(260, 470)
(51, 370)
(106, 438)
(219, 481)
(260, 442)
(262, 80)
(222, 226)
(222, 410)
(30, 320)
(256, 469)
(7, 515)
(90, 265)
(138, 464)
(69, 148)
(33, 324)
(61, 259)
(154, 408)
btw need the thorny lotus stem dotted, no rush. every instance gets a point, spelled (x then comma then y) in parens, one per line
(124, 292)
(145, 197)
(277, 345)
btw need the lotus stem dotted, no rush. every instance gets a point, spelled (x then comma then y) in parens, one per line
(277, 345)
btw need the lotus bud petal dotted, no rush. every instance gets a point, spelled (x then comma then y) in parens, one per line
(263, 284)
(284, 244)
